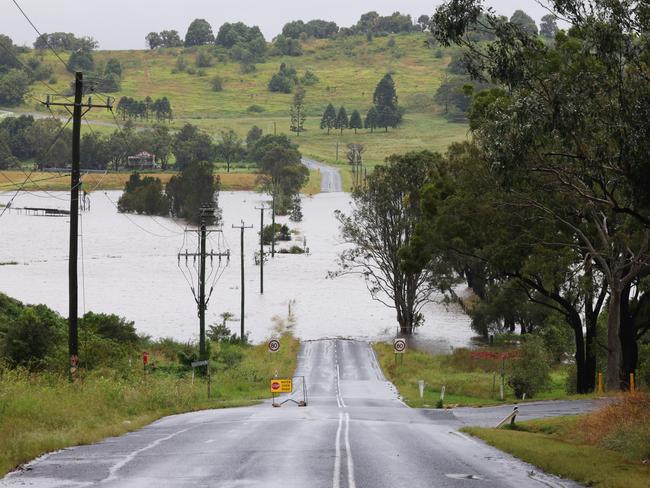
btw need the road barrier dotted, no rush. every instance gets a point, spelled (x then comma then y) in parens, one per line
(511, 417)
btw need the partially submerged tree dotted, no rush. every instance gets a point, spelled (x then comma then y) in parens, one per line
(386, 211)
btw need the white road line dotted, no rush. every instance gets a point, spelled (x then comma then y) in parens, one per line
(348, 450)
(339, 397)
(112, 473)
(336, 481)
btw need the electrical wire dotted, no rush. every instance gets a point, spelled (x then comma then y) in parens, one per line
(32, 171)
(39, 33)
(24, 66)
(136, 224)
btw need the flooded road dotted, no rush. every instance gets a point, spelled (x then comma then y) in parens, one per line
(130, 268)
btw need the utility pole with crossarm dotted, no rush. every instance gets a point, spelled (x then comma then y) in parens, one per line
(206, 218)
(242, 227)
(77, 113)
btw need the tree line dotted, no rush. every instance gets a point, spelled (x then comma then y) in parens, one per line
(281, 174)
(458, 86)
(385, 111)
(545, 213)
(146, 109)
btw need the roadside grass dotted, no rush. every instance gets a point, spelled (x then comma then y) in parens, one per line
(43, 412)
(467, 382)
(576, 447)
(348, 70)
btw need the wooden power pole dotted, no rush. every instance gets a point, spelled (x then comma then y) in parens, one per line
(242, 227)
(75, 182)
(206, 218)
(261, 209)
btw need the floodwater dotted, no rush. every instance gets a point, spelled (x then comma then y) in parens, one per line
(130, 267)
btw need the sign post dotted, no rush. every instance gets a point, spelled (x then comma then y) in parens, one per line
(399, 347)
(206, 363)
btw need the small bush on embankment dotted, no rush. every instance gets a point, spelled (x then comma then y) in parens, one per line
(41, 411)
(471, 378)
(607, 448)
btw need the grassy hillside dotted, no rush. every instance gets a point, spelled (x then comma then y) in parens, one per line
(348, 70)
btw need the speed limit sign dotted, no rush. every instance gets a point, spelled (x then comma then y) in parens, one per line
(274, 345)
(399, 345)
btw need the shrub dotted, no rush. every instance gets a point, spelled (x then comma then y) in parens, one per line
(531, 372)
(32, 336)
(256, 109)
(181, 64)
(309, 78)
(217, 83)
(203, 59)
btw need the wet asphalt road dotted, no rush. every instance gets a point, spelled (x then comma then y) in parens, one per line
(330, 176)
(355, 432)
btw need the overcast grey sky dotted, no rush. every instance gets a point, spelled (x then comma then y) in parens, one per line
(123, 24)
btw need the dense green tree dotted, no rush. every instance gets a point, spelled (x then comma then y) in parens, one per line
(191, 145)
(50, 150)
(548, 28)
(371, 121)
(113, 66)
(328, 120)
(284, 80)
(254, 134)
(144, 196)
(81, 61)
(195, 186)
(385, 101)
(423, 22)
(32, 337)
(549, 139)
(522, 20)
(8, 54)
(282, 176)
(355, 121)
(265, 143)
(93, 151)
(158, 141)
(286, 46)
(199, 33)
(385, 213)
(14, 85)
(230, 147)
(153, 40)
(16, 129)
(170, 38)
(342, 120)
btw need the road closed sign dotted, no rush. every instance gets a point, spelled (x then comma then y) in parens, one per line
(281, 386)
(399, 345)
(274, 345)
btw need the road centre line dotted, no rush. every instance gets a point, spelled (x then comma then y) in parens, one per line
(336, 481)
(348, 450)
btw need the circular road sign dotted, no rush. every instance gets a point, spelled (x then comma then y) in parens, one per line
(399, 345)
(275, 385)
(274, 345)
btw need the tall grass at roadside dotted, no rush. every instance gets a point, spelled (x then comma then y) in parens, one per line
(467, 380)
(42, 412)
(607, 448)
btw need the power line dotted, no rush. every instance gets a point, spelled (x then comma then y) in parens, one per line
(14, 184)
(39, 33)
(24, 66)
(138, 225)
(32, 171)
